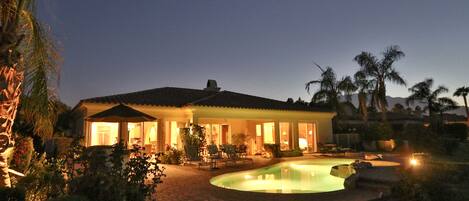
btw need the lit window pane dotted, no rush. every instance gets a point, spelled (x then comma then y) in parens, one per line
(104, 133)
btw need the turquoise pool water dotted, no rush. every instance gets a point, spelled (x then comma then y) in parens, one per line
(305, 176)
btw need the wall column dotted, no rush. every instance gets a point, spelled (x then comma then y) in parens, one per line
(160, 135)
(277, 132)
(295, 135)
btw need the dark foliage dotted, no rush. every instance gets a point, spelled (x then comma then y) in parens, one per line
(457, 131)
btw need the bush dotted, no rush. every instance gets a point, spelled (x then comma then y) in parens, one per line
(23, 154)
(291, 153)
(432, 183)
(193, 139)
(44, 180)
(421, 138)
(113, 180)
(12, 194)
(378, 131)
(274, 149)
(172, 156)
(457, 131)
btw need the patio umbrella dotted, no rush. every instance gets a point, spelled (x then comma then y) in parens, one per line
(121, 113)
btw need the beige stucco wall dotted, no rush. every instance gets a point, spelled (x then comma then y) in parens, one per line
(323, 120)
(240, 120)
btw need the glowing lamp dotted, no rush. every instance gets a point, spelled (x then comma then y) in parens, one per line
(247, 176)
(414, 162)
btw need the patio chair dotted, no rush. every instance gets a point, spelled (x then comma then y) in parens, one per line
(242, 150)
(214, 155)
(232, 156)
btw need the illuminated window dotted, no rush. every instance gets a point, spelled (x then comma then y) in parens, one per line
(104, 133)
(135, 133)
(258, 130)
(307, 136)
(151, 132)
(174, 133)
(269, 131)
(284, 135)
(215, 134)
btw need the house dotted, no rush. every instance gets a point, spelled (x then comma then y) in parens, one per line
(227, 116)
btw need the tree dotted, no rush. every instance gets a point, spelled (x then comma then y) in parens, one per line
(364, 87)
(463, 92)
(443, 105)
(27, 67)
(379, 71)
(398, 108)
(331, 89)
(423, 92)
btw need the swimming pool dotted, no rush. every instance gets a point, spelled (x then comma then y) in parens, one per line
(304, 176)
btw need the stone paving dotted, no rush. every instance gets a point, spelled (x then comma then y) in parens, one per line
(190, 183)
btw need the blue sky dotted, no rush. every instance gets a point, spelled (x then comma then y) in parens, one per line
(258, 47)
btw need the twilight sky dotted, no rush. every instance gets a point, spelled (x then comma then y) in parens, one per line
(258, 47)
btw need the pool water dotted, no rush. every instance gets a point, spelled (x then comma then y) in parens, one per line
(305, 176)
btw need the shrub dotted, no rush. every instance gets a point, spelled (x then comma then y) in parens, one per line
(44, 180)
(23, 154)
(11, 194)
(421, 138)
(274, 149)
(193, 138)
(291, 153)
(172, 156)
(432, 183)
(457, 131)
(239, 138)
(113, 180)
(378, 131)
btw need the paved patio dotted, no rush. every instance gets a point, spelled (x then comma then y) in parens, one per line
(189, 183)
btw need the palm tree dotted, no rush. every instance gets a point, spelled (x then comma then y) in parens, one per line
(364, 87)
(27, 67)
(331, 89)
(379, 71)
(423, 92)
(443, 105)
(463, 92)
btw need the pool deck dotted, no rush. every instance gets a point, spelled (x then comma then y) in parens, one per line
(190, 183)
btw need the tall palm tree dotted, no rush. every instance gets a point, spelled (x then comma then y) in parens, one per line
(27, 67)
(331, 89)
(443, 105)
(424, 93)
(463, 92)
(380, 71)
(364, 87)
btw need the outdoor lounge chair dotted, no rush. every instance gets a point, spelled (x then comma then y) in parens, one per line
(234, 155)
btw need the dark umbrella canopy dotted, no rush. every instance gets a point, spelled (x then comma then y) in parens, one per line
(121, 113)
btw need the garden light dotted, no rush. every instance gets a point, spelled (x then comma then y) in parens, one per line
(414, 162)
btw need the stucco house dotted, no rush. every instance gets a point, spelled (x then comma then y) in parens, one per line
(224, 114)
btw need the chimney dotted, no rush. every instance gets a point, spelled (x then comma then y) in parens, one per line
(212, 86)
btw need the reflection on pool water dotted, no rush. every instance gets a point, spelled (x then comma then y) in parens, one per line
(305, 176)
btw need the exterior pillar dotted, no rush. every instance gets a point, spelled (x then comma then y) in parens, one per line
(124, 134)
(160, 136)
(277, 132)
(291, 144)
(295, 135)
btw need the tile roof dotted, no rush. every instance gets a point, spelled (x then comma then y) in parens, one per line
(179, 97)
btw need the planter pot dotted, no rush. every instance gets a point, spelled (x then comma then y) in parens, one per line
(386, 145)
(369, 145)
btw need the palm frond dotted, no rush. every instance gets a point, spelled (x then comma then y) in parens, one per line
(396, 78)
(40, 69)
(461, 91)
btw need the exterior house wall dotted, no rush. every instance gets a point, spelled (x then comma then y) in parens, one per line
(240, 121)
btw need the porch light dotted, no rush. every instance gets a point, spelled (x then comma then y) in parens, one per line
(414, 162)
